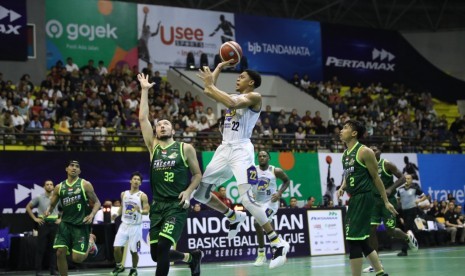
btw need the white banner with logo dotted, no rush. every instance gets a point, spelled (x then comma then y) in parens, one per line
(167, 34)
(326, 232)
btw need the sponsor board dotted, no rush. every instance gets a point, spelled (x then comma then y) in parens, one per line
(326, 232)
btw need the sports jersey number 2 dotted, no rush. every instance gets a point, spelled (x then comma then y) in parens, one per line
(351, 181)
(169, 176)
(235, 126)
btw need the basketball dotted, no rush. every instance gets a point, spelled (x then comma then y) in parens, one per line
(231, 50)
(329, 160)
(145, 9)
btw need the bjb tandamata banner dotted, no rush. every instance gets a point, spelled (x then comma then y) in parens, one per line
(92, 29)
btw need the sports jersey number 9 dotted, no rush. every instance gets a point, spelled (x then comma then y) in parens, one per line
(169, 177)
(79, 207)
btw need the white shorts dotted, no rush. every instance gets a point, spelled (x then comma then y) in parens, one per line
(230, 159)
(271, 208)
(130, 233)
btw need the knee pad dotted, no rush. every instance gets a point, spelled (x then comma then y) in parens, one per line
(203, 192)
(355, 250)
(254, 207)
(366, 248)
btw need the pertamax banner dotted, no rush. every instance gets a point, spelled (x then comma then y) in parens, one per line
(326, 232)
(92, 29)
(13, 31)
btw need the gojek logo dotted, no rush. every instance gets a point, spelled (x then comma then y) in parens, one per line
(55, 29)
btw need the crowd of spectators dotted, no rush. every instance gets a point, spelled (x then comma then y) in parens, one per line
(90, 107)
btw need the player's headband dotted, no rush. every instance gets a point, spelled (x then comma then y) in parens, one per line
(73, 162)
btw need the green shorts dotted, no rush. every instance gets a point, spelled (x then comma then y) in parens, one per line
(380, 213)
(358, 216)
(73, 237)
(167, 219)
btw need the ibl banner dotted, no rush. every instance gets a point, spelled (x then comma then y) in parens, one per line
(301, 168)
(208, 231)
(326, 232)
(281, 46)
(167, 34)
(92, 29)
(13, 31)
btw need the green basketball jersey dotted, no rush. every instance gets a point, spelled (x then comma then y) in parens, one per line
(358, 179)
(168, 172)
(74, 202)
(388, 179)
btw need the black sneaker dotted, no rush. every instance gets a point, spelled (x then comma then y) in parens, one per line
(402, 254)
(117, 270)
(194, 265)
(133, 272)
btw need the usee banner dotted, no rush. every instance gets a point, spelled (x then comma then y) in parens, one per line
(13, 31)
(167, 34)
(302, 169)
(281, 46)
(92, 29)
(208, 231)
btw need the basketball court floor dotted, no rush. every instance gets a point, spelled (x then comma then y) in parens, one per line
(439, 261)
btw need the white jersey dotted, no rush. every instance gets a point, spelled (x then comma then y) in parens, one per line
(266, 184)
(129, 214)
(239, 123)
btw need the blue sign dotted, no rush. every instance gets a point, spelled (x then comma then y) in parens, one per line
(13, 30)
(442, 174)
(280, 46)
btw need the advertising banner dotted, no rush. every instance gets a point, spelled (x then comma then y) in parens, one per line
(23, 174)
(297, 48)
(13, 31)
(330, 166)
(326, 232)
(207, 230)
(360, 54)
(443, 174)
(98, 30)
(302, 169)
(167, 34)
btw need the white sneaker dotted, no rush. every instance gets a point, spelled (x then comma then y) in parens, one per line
(236, 224)
(260, 260)
(279, 253)
(368, 269)
(412, 241)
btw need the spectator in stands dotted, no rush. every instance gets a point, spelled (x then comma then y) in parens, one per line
(276, 141)
(211, 117)
(23, 110)
(102, 133)
(18, 123)
(191, 123)
(203, 124)
(89, 67)
(310, 203)
(295, 80)
(35, 123)
(293, 203)
(221, 194)
(196, 103)
(70, 65)
(305, 83)
(435, 210)
(188, 98)
(47, 136)
(102, 70)
(188, 135)
(88, 136)
(197, 207)
(454, 223)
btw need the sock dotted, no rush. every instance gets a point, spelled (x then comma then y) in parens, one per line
(118, 264)
(380, 273)
(261, 250)
(187, 258)
(230, 214)
(273, 237)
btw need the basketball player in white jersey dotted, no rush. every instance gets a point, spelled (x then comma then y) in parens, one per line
(235, 155)
(267, 194)
(134, 204)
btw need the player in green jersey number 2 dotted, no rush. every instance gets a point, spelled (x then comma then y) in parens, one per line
(74, 193)
(169, 171)
(360, 174)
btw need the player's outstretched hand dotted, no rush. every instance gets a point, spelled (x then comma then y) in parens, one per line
(206, 75)
(144, 81)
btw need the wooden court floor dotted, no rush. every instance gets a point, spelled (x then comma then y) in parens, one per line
(439, 261)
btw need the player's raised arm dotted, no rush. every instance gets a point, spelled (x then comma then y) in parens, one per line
(218, 69)
(53, 200)
(145, 125)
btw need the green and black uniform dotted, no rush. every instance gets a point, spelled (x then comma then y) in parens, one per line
(379, 211)
(73, 233)
(359, 185)
(168, 178)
